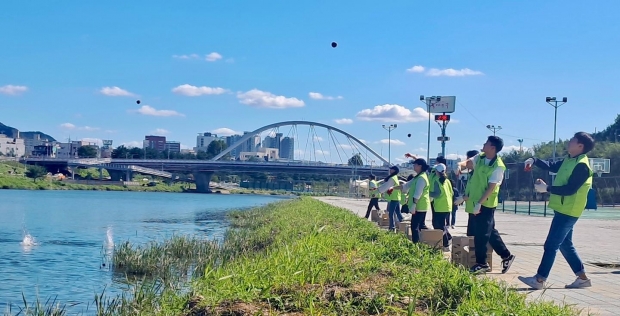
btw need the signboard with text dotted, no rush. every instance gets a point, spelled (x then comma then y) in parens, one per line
(443, 104)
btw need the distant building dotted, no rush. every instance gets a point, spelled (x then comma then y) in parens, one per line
(30, 143)
(70, 150)
(47, 150)
(267, 154)
(155, 142)
(173, 147)
(287, 148)
(252, 144)
(230, 141)
(12, 147)
(204, 139)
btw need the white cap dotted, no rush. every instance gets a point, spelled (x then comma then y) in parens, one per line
(440, 167)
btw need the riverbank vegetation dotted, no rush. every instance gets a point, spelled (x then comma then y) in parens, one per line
(304, 257)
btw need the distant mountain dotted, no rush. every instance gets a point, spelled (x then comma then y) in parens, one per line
(12, 132)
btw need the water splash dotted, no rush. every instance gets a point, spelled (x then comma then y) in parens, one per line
(109, 243)
(28, 242)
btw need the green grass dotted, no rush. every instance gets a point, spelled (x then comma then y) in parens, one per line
(304, 257)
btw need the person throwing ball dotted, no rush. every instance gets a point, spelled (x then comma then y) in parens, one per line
(568, 198)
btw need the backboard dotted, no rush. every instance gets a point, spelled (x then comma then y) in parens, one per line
(445, 104)
(600, 165)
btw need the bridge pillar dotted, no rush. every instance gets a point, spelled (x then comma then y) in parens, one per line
(115, 175)
(202, 179)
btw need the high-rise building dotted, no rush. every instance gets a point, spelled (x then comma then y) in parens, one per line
(204, 139)
(252, 144)
(173, 147)
(155, 142)
(230, 141)
(287, 148)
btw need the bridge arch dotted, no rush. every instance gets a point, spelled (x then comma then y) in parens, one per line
(247, 136)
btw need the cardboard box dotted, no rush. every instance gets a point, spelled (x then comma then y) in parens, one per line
(432, 237)
(464, 252)
(374, 215)
(384, 222)
(402, 226)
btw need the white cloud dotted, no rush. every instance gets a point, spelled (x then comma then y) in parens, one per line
(190, 56)
(393, 113)
(160, 132)
(343, 121)
(344, 146)
(449, 72)
(67, 126)
(185, 147)
(115, 92)
(224, 131)
(132, 144)
(299, 152)
(394, 142)
(148, 110)
(510, 148)
(321, 152)
(363, 141)
(317, 138)
(194, 91)
(213, 57)
(318, 96)
(70, 126)
(264, 99)
(416, 69)
(13, 90)
(230, 60)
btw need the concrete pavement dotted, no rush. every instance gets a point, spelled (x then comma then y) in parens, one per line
(596, 241)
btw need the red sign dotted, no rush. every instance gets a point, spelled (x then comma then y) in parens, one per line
(442, 118)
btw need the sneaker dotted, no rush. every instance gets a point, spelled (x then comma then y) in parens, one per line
(506, 263)
(480, 268)
(532, 282)
(579, 284)
(452, 226)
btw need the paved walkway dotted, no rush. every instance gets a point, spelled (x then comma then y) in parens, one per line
(596, 241)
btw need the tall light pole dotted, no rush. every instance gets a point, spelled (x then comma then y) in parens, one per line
(390, 128)
(427, 102)
(520, 144)
(555, 104)
(494, 128)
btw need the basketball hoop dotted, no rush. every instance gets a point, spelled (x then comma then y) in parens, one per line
(599, 172)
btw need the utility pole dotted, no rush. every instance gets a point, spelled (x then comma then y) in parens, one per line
(427, 102)
(520, 144)
(443, 120)
(494, 128)
(555, 104)
(390, 128)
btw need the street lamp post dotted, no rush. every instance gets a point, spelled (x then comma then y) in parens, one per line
(494, 128)
(555, 104)
(427, 102)
(390, 128)
(520, 144)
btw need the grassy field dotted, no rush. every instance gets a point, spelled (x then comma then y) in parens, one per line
(304, 257)
(12, 178)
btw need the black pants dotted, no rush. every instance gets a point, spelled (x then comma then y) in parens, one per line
(470, 224)
(416, 222)
(404, 208)
(485, 233)
(423, 224)
(439, 222)
(373, 202)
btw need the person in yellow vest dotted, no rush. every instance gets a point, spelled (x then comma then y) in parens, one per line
(568, 197)
(481, 200)
(392, 196)
(373, 186)
(419, 200)
(404, 207)
(442, 195)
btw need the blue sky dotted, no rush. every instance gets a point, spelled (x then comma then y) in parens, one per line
(232, 62)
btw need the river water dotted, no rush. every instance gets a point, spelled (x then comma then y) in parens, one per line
(52, 243)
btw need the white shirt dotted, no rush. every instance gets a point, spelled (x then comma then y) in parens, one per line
(496, 176)
(387, 185)
(419, 188)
